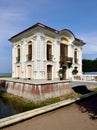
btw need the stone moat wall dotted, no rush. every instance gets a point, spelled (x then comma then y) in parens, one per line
(36, 92)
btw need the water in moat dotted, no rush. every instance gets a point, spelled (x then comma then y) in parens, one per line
(8, 108)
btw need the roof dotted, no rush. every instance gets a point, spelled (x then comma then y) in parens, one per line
(45, 27)
(36, 25)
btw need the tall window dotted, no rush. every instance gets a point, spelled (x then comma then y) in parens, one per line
(49, 51)
(29, 56)
(63, 50)
(18, 54)
(63, 54)
(75, 56)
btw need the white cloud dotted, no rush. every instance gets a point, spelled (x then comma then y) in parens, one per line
(91, 43)
(10, 22)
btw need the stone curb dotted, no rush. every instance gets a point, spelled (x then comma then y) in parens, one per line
(29, 114)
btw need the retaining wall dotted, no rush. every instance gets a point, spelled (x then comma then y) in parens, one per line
(36, 92)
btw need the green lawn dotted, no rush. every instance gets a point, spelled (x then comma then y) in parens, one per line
(5, 76)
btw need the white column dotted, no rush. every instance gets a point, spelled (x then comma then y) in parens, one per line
(13, 60)
(70, 54)
(80, 61)
(42, 53)
(57, 56)
(23, 68)
(35, 52)
(35, 44)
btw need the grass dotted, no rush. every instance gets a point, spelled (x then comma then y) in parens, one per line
(29, 105)
(5, 76)
(95, 89)
(17, 101)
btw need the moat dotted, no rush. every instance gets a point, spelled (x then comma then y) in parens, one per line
(7, 109)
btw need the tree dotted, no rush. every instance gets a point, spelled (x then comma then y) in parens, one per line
(89, 65)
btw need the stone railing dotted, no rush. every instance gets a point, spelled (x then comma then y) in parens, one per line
(89, 77)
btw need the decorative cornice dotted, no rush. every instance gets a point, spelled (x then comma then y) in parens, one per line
(58, 42)
(34, 37)
(42, 38)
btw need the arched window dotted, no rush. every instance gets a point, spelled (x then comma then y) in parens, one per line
(49, 51)
(49, 42)
(64, 40)
(30, 42)
(75, 56)
(18, 54)
(29, 55)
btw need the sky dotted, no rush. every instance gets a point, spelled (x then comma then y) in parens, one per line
(79, 16)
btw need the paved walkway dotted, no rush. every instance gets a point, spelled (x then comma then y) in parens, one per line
(34, 81)
(78, 116)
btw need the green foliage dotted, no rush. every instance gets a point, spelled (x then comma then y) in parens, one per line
(28, 105)
(61, 71)
(74, 71)
(16, 101)
(89, 65)
(95, 89)
(5, 76)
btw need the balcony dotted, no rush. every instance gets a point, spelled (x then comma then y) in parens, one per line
(18, 59)
(50, 57)
(29, 57)
(66, 60)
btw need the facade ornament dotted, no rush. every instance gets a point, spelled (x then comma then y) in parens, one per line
(34, 38)
(42, 38)
(58, 42)
(22, 41)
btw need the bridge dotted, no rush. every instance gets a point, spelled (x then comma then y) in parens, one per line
(81, 82)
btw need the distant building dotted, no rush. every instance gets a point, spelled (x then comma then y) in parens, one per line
(40, 51)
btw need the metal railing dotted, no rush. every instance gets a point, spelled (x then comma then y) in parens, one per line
(89, 77)
(66, 59)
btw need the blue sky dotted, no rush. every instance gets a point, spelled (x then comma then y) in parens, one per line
(79, 16)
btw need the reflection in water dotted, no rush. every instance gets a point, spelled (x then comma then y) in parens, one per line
(6, 109)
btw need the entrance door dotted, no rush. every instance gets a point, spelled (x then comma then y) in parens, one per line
(29, 67)
(49, 72)
(18, 72)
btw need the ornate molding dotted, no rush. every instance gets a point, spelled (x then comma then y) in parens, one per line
(58, 42)
(34, 38)
(42, 38)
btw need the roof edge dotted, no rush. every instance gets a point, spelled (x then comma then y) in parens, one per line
(35, 25)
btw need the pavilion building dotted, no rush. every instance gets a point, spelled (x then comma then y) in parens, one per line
(39, 52)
